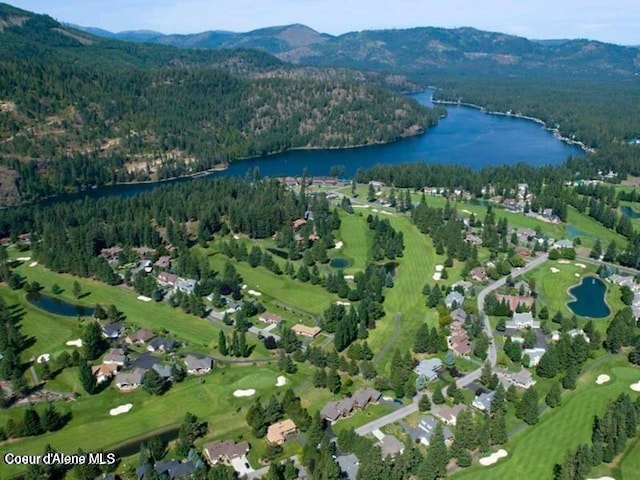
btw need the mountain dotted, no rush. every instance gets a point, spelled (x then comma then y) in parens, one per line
(418, 50)
(79, 110)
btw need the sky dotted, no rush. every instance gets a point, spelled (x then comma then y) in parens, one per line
(614, 21)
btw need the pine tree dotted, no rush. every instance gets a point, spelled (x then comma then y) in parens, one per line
(528, 408)
(437, 397)
(154, 383)
(31, 423)
(421, 342)
(553, 397)
(486, 373)
(51, 419)
(424, 405)
(222, 344)
(498, 428)
(87, 379)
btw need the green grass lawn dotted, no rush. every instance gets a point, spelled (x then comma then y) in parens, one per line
(210, 398)
(357, 239)
(535, 450)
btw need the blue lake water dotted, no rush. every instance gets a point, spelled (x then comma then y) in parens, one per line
(629, 212)
(467, 136)
(58, 306)
(589, 298)
(339, 263)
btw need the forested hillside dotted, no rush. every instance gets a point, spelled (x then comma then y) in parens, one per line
(76, 110)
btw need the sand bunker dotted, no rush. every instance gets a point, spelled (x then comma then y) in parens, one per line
(493, 458)
(33, 264)
(360, 206)
(602, 478)
(23, 259)
(236, 237)
(338, 245)
(121, 409)
(75, 343)
(281, 382)
(439, 268)
(44, 358)
(564, 262)
(581, 265)
(375, 210)
(576, 275)
(386, 213)
(602, 379)
(554, 270)
(349, 277)
(244, 393)
(254, 293)
(346, 304)
(142, 298)
(635, 387)
(437, 276)
(466, 211)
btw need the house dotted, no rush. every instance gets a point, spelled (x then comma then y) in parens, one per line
(522, 379)
(574, 332)
(516, 301)
(163, 370)
(459, 315)
(224, 451)
(111, 254)
(522, 320)
(140, 337)
(103, 372)
(512, 205)
(473, 239)
(563, 244)
(144, 252)
(525, 234)
(116, 356)
(198, 366)
(426, 427)
(534, 354)
(162, 345)
(479, 274)
(349, 464)
(463, 284)
(166, 279)
(390, 446)
(483, 401)
(113, 330)
(171, 469)
(454, 299)
(377, 186)
(186, 285)
(335, 410)
(429, 368)
(364, 396)
(145, 361)
(522, 287)
(268, 317)
(164, 261)
(449, 415)
(278, 432)
(522, 251)
(311, 332)
(460, 343)
(298, 224)
(129, 380)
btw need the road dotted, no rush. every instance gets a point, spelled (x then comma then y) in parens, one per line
(470, 377)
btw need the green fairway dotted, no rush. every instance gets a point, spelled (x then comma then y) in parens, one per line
(404, 303)
(210, 398)
(534, 451)
(357, 240)
(157, 316)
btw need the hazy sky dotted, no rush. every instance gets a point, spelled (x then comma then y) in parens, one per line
(616, 21)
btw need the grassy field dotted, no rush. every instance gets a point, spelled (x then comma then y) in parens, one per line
(357, 239)
(210, 398)
(534, 451)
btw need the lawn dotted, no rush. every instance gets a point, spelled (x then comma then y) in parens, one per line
(357, 239)
(534, 451)
(553, 288)
(209, 397)
(157, 316)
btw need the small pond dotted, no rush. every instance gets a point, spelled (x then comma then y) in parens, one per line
(589, 298)
(58, 306)
(339, 262)
(630, 212)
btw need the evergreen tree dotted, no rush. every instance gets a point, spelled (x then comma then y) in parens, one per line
(424, 405)
(87, 379)
(31, 423)
(222, 344)
(527, 409)
(153, 383)
(553, 398)
(421, 342)
(92, 341)
(438, 398)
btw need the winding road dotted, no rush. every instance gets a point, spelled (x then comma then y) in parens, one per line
(470, 377)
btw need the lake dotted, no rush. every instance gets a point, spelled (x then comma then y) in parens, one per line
(630, 212)
(589, 298)
(58, 306)
(467, 136)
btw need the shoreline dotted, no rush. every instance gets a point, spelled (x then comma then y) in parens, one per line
(555, 131)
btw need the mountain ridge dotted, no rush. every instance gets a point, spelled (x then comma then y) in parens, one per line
(417, 49)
